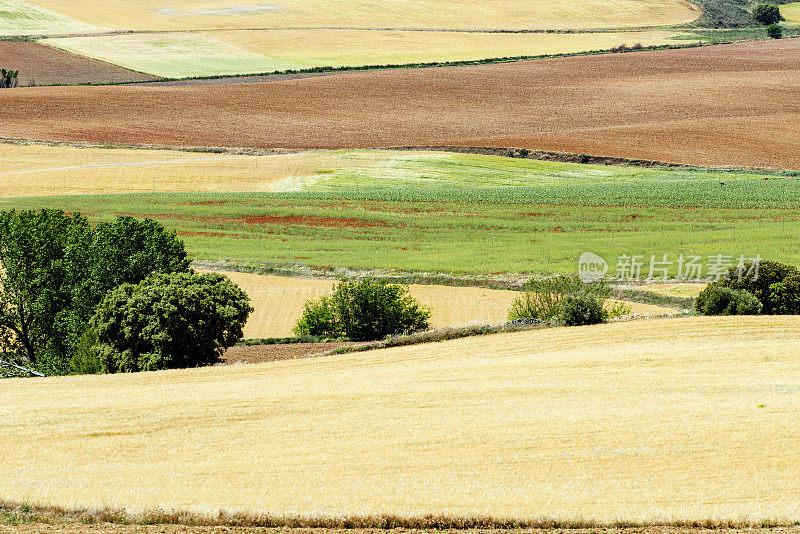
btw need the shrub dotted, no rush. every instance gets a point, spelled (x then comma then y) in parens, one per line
(581, 309)
(364, 310)
(774, 31)
(767, 13)
(727, 301)
(785, 295)
(169, 321)
(541, 298)
(756, 281)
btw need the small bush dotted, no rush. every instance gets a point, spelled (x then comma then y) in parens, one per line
(618, 310)
(767, 13)
(727, 301)
(774, 31)
(581, 309)
(364, 310)
(541, 298)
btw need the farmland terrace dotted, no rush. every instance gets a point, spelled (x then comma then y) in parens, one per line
(735, 104)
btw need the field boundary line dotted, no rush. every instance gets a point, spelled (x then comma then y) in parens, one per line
(21, 513)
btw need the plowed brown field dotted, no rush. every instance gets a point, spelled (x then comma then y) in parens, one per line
(735, 104)
(43, 65)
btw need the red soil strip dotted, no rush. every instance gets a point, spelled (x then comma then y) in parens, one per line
(734, 104)
(327, 222)
(277, 352)
(44, 65)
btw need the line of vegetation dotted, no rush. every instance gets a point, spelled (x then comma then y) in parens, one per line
(14, 514)
(119, 296)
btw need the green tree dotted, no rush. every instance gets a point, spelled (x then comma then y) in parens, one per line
(767, 13)
(8, 78)
(364, 310)
(727, 301)
(128, 250)
(756, 279)
(169, 321)
(55, 269)
(44, 281)
(541, 299)
(774, 31)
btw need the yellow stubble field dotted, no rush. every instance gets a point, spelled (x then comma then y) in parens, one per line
(659, 420)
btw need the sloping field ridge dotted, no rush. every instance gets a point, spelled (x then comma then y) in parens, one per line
(734, 104)
(651, 421)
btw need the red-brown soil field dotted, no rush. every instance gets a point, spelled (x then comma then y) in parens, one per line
(735, 104)
(43, 65)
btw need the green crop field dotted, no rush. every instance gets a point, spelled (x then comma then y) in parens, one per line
(469, 213)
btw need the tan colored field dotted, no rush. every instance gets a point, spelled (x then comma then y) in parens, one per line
(688, 290)
(651, 420)
(278, 303)
(690, 106)
(469, 14)
(36, 170)
(791, 12)
(184, 54)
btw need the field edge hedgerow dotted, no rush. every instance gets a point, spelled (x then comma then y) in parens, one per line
(15, 514)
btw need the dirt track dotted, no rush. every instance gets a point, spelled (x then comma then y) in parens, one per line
(725, 105)
(43, 65)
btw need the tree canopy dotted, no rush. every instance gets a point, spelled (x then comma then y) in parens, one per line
(55, 269)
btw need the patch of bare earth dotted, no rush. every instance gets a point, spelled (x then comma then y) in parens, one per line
(277, 352)
(735, 104)
(44, 65)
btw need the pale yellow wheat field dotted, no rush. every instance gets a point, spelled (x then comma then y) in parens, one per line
(684, 290)
(45, 170)
(646, 421)
(462, 14)
(279, 301)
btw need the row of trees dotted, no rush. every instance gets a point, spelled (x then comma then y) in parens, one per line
(126, 285)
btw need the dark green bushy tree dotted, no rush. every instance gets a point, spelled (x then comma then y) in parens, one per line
(774, 31)
(169, 321)
(45, 291)
(767, 13)
(756, 281)
(363, 310)
(54, 271)
(727, 301)
(581, 309)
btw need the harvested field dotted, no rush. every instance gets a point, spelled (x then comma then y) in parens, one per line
(791, 12)
(470, 14)
(44, 65)
(674, 290)
(690, 106)
(648, 421)
(179, 55)
(35, 170)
